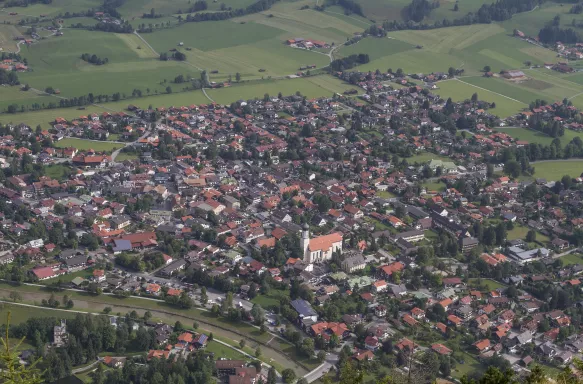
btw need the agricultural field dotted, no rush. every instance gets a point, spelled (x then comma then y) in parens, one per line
(14, 95)
(55, 8)
(56, 62)
(84, 145)
(317, 86)
(230, 47)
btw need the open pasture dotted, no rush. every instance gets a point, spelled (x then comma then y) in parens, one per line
(317, 86)
(56, 63)
(459, 91)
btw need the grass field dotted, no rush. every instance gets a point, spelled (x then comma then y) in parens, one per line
(424, 157)
(554, 170)
(56, 62)
(14, 95)
(56, 171)
(84, 145)
(459, 90)
(322, 85)
(572, 258)
(19, 314)
(491, 284)
(125, 156)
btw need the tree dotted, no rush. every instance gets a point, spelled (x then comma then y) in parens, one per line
(237, 77)
(15, 296)
(258, 352)
(271, 376)
(512, 168)
(12, 371)
(487, 68)
(242, 343)
(474, 98)
(531, 236)
(288, 375)
(107, 310)
(321, 356)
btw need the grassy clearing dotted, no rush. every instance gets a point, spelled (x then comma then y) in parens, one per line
(137, 45)
(376, 47)
(518, 232)
(527, 135)
(83, 145)
(385, 194)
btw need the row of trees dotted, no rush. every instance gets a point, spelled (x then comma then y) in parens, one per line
(94, 59)
(259, 6)
(499, 11)
(349, 62)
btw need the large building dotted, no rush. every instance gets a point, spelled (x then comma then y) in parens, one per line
(321, 248)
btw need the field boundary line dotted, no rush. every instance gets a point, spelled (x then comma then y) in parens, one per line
(578, 86)
(487, 90)
(351, 17)
(145, 42)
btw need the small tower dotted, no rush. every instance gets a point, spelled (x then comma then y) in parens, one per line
(305, 242)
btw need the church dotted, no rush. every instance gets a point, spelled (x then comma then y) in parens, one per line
(321, 248)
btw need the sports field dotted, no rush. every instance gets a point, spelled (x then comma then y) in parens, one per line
(84, 145)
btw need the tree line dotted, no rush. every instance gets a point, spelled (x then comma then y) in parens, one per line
(499, 11)
(8, 77)
(94, 59)
(259, 6)
(350, 6)
(419, 9)
(349, 62)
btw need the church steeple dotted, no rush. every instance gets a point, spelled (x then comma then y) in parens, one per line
(305, 241)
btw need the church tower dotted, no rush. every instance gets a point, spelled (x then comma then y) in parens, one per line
(305, 242)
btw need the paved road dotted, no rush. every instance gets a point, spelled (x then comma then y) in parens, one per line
(322, 369)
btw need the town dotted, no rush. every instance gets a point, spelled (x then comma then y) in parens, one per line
(405, 234)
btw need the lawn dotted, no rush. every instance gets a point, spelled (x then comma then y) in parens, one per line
(225, 352)
(470, 366)
(123, 156)
(272, 299)
(489, 283)
(57, 171)
(572, 258)
(385, 194)
(518, 232)
(67, 278)
(84, 145)
(434, 186)
(424, 157)
(46, 116)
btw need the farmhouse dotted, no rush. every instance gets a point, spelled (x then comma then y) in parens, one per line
(514, 75)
